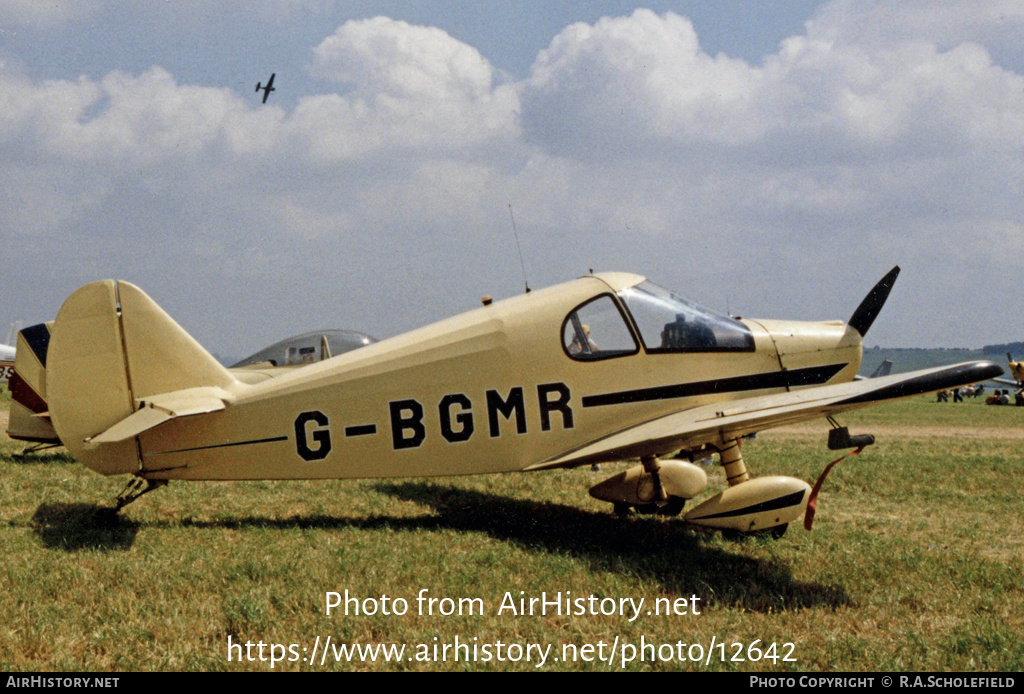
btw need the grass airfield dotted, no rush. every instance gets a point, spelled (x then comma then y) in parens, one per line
(914, 564)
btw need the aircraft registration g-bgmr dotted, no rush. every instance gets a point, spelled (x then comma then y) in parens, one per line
(604, 368)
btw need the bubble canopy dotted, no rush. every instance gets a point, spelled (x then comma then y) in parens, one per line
(670, 323)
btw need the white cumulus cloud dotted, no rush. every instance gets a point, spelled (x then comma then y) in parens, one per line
(884, 132)
(404, 87)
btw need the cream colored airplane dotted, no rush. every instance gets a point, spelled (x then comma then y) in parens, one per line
(604, 368)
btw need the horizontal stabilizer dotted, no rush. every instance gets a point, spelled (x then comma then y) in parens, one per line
(161, 409)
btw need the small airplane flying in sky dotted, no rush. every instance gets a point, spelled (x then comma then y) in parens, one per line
(269, 87)
(607, 367)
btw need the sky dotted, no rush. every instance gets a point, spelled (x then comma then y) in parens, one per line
(771, 160)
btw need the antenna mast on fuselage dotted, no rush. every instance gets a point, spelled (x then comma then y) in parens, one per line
(519, 248)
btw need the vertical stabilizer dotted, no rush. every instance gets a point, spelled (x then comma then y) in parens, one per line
(162, 357)
(111, 348)
(29, 415)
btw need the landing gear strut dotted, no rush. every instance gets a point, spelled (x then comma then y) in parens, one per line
(732, 460)
(652, 466)
(662, 503)
(137, 487)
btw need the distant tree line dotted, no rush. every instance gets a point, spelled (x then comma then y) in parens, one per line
(1014, 348)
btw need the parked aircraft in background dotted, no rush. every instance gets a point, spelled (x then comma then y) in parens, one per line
(302, 350)
(883, 369)
(499, 389)
(6, 363)
(1016, 373)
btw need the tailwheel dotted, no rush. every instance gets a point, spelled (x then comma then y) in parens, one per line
(137, 487)
(778, 531)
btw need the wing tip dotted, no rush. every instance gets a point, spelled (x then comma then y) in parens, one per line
(931, 381)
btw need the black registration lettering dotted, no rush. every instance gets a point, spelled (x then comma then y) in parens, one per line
(464, 419)
(558, 403)
(321, 436)
(515, 404)
(407, 430)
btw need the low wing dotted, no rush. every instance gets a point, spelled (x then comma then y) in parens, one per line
(731, 419)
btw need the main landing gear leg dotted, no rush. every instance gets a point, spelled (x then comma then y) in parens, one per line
(652, 466)
(137, 487)
(731, 458)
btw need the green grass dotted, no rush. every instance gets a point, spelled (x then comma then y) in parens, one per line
(913, 564)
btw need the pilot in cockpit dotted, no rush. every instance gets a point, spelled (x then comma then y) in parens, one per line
(673, 336)
(576, 347)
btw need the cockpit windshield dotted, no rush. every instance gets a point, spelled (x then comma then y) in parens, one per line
(669, 323)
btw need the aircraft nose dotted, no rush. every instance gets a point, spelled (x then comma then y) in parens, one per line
(830, 351)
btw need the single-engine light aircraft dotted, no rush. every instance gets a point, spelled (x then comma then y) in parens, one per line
(267, 88)
(604, 368)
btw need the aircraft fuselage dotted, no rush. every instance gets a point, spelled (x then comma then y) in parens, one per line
(493, 390)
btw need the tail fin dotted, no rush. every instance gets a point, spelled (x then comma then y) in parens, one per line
(112, 348)
(29, 415)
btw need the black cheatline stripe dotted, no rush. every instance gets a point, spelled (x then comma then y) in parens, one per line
(810, 376)
(38, 338)
(775, 504)
(364, 430)
(222, 445)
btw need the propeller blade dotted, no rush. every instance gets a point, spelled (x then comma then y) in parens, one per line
(868, 310)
